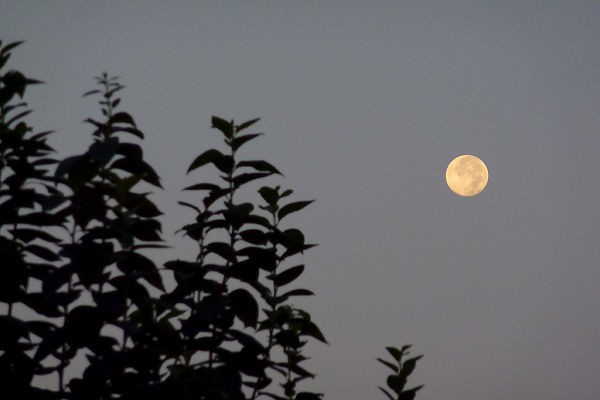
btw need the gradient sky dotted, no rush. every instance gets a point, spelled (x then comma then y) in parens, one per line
(363, 105)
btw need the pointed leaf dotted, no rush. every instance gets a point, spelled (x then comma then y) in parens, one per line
(240, 140)
(292, 207)
(269, 195)
(388, 364)
(288, 276)
(409, 366)
(224, 126)
(389, 396)
(122, 117)
(397, 354)
(410, 394)
(241, 179)
(202, 186)
(11, 46)
(259, 165)
(246, 124)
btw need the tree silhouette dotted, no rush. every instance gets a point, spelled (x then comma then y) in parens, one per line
(83, 303)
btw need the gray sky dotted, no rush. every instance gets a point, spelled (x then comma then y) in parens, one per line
(363, 106)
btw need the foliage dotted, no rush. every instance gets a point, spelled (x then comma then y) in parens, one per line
(401, 369)
(79, 289)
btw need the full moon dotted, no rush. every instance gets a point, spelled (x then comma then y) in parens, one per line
(466, 175)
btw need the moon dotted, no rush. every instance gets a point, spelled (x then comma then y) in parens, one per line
(467, 175)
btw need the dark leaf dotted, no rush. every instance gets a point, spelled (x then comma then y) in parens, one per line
(295, 292)
(292, 207)
(269, 195)
(246, 124)
(128, 129)
(138, 167)
(222, 249)
(409, 366)
(43, 304)
(308, 396)
(104, 151)
(241, 179)
(224, 126)
(264, 258)
(130, 150)
(409, 394)
(244, 306)
(27, 235)
(240, 140)
(42, 252)
(18, 116)
(253, 236)
(396, 383)
(142, 266)
(259, 165)
(121, 117)
(222, 162)
(288, 276)
(95, 91)
(388, 364)
(397, 354)
(389, 396)
(203, 186)
(186, 204)
(6, 49)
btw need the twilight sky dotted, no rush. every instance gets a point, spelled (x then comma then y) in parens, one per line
(363, 104)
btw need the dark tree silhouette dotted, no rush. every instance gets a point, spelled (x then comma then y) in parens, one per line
(83, 303)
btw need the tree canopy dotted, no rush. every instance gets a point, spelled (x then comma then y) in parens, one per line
(82, 302)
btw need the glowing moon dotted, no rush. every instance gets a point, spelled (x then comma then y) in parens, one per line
(466, 175)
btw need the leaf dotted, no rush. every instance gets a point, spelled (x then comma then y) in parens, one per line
(11, 46)
(237, 142)
(288, 276)
(65, 165)
(292, 207)
(222, 162)
(95, 91)
(138, 167)
(397, 354)
(128, 129)
(142, 266)
(396, 383)
(389, 365)
(42, 252)
(253, 236)
(43, 304)
(259, 165)
(389, 396)
(122, 117)
(28, 235)
(244, 306)
(296, 292)
(269, 195)
(308, 396)
(224, 126)
(222, 249)
(104, 151)
(202, 186)
(190, 205)
(241, 179)
(311, 329)
(18, 116)
(409, 394)
(246, 124)
(409, 366)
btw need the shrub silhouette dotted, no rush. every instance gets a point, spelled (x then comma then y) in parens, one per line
(84, 304)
